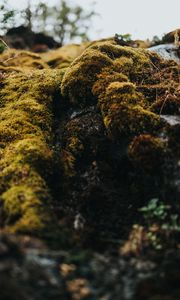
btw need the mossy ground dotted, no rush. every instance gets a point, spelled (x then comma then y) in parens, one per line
(92, 115)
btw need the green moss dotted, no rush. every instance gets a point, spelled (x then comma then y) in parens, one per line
(26, 158)
(104, 79)
(73, 147)
(9, 70)
(125, 82)
(80, 77)
(22, 201)
(130, 120)
(125, 57)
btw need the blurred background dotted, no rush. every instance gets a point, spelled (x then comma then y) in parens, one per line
(81, 20)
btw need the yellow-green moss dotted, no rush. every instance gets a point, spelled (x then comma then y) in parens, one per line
(123, 119)
(120, 80)
(25, 157)
(62, 57)
(80, 77)
(104, 79)
(73, 147)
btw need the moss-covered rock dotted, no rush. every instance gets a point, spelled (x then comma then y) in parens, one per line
(120, 79)
(26, 123)
(80, 77)
(97, 145)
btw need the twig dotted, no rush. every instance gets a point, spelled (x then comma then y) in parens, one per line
(1, 40)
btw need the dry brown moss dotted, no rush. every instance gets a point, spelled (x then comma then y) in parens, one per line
(170, 37)
(170, 105)
(147, 152)
(25, 157)
(21, 59)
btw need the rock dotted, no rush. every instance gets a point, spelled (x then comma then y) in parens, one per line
(23, 38)
(167, 51)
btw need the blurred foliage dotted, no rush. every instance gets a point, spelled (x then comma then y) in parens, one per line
(6, 15)
(162, 225)
(62, 21)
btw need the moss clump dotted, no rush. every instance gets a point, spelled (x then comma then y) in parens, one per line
(80, 77)
(62, 57)
(22, 59)
(125, 82)
(147, 152)
(124, 109)
(130, 120)
(26, 156)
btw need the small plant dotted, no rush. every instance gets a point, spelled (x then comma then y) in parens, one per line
(160, 223)
(3, 46)
(124, 37)
(155, 211)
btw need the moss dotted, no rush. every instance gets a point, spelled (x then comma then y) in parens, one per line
(115, 93)
(7, 70)
(104, 79)
(147, 152)
(170, 105)
(130, 120)
(73, 147)
(22, 59)
(170, 37)
(63, 56)
(80, 77)
(19, 199)
(26, 157)
(73, 150)
(125, 82)
(68, 163)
